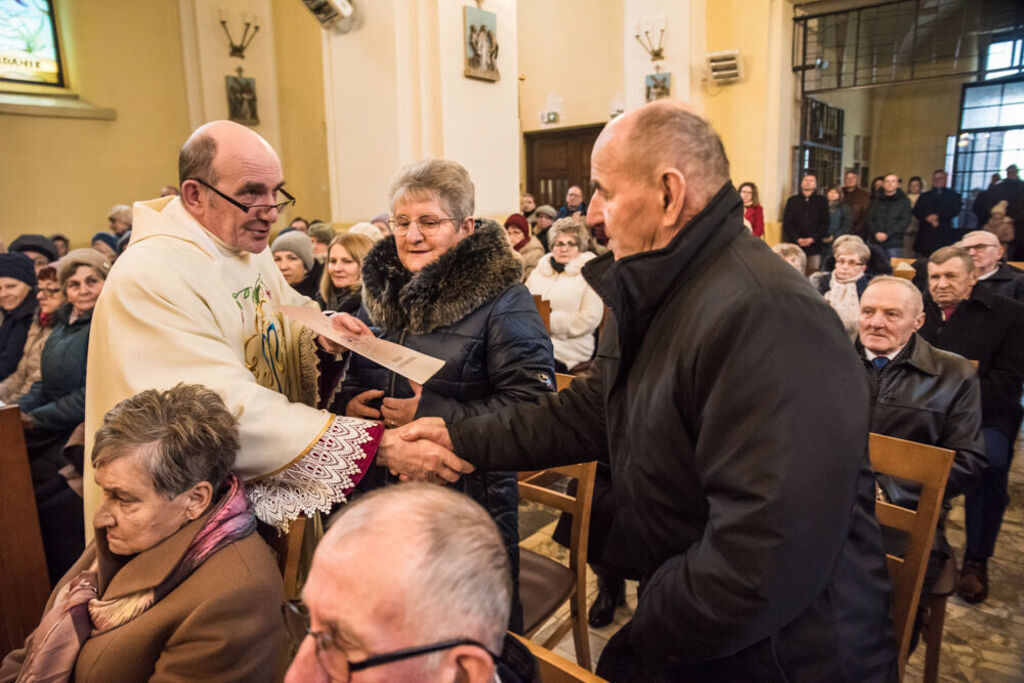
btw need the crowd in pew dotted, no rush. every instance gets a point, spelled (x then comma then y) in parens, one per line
(236, 415)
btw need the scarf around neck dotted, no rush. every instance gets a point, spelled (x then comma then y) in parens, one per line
(78, 613)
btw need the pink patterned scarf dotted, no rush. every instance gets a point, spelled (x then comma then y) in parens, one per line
(78, 613)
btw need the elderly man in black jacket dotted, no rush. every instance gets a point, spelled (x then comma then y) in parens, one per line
(935, 210)
(741, 474)
(919, 393)
(984, 327)
(987, 253)
(805, 221)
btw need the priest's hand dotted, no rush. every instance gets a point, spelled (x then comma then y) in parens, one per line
(347, 326)
(431, 428)
(420, 460)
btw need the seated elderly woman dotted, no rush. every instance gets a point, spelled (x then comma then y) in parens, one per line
(28, 372)
(843, 286)
(444, 286)
(55, 405)
(793, 255)
(18, 305)
(176, 586)
(341, 285)
(576, 309)
(293, 254)
(526, 245)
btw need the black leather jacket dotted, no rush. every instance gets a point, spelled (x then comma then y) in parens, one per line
(932, 397)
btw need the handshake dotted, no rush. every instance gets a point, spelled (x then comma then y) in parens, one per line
(422, 451)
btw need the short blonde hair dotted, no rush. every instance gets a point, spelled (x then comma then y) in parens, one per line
(788, 250)
(853, 246)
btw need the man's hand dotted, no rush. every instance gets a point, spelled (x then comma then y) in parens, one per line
(431, 428)
(348, 326)
(420, 460)
(933, 218)
(401, 411)
(881, 236)
(27, 422)
(805, 241)
(359, 406)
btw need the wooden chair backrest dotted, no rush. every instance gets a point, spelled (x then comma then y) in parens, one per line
(288, 548)
(896, 260)
(1017, 264)
(562, 380)
(554, 668)
(929, 466)
(544, 308)
(24, 581)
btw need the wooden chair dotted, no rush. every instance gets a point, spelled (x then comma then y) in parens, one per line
(929, 466)
(544, 584)
(288, 549)
(554, 668)
(1017, 264)
(544, 308)
(24, 581)
(896, 260)
(931, 632)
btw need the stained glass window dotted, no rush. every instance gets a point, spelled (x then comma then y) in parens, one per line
(29, 51)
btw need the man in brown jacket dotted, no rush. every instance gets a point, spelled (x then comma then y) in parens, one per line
(858, 200)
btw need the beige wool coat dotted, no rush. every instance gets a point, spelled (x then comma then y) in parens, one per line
(223, 623)
(28, 371)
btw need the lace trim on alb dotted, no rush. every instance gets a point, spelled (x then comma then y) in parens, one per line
(320, 479)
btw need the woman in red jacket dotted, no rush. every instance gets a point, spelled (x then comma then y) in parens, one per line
(752, 211)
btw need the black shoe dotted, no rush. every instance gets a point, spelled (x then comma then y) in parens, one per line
(609, 596)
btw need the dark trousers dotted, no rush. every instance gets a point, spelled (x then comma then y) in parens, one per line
(985, 505)
(62, 523)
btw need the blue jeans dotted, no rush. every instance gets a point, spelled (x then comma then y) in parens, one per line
(985, 505)
(894, 251)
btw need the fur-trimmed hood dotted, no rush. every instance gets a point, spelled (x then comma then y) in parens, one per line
(477, 269)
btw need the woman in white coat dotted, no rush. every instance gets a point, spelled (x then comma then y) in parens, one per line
(576, 310)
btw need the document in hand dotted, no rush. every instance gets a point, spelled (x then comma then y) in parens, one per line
(419, 367)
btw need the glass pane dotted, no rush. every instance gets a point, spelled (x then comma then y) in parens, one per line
(981, 118)
(983, 96)
(1013, 92)
(1000, 55)
(1012, 115)
(28, 45)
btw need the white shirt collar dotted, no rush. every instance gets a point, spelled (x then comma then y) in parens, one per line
(871, 356)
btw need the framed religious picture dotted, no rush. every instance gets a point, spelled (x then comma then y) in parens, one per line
(657, 86)
(480, 42)
(242, 99)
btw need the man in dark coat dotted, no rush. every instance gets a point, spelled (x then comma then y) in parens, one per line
(889, 217)
(1011, 190)
(858, 200)
(805, 221)
(935, 210)
(984, 327)
(741, 475)
(987, 254)
(921, 394)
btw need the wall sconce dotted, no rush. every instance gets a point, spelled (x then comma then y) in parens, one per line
(238, 49)
(656, 50)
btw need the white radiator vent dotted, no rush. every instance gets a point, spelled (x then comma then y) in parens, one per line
(723, 66)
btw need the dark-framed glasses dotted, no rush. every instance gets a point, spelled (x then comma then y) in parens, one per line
(428, 225)
(335, 663)
(565, 245)
(980, 247)
(246, 208)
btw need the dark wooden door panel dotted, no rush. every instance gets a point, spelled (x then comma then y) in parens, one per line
(556, 160)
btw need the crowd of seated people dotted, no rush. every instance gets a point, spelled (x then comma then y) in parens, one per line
(175, 524)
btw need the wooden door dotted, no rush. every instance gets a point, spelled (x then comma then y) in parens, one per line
(556, 160)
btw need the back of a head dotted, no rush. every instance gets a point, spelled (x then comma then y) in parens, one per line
(460, 586)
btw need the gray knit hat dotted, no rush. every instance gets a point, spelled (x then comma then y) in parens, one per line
(547, 210)
(296, 242)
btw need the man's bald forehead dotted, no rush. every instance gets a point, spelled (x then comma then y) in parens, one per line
(980, 237)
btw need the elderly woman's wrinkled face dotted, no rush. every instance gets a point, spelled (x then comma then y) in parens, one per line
(515, 235)
(424, 231)
(343, 269)
(49, 296)
(135, 516)
(12, 293)
(565, 248)
(849, 266)
(83, 288)
(291, 266)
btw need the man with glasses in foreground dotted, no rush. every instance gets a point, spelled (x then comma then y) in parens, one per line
(192, 300)
(411, 583)
(994, 275)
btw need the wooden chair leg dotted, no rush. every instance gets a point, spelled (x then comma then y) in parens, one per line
(580, 629)
(933, 637)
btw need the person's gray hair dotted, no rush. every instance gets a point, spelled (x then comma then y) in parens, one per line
(855, 246)
(195, 160)
(184, 435)
(441, 179)
(788, 250)
(915, 294)
(572, 227)
(671, 134)
(461, 586)
(940, 256)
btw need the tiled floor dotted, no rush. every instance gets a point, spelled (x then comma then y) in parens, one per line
(981, 643)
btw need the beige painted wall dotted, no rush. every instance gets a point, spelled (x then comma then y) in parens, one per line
(573, 49)
(62, 175)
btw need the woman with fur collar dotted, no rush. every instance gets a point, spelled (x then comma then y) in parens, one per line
(576, 310)
(449, 288)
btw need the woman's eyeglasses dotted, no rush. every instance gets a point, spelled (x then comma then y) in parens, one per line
(428, 225)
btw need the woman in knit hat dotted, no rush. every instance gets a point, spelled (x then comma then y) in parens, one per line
(106, 244)
(28, 371)
(293, 254)
(525, 244)
(18, 303)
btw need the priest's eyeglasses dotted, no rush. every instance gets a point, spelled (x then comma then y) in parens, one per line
(246, 208)
(332, 659)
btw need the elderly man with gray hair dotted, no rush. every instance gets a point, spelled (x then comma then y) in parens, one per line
(987, 253)
(919, 393)
(411, 583)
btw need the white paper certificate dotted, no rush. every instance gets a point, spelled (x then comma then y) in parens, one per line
(419, 367)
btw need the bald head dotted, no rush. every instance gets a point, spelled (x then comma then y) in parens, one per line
(198, 156)
(985, 249)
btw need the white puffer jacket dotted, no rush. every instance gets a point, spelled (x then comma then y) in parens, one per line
(576, 310)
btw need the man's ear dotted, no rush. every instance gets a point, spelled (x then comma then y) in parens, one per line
(467, 664)
(672, 187)
(190, 195)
